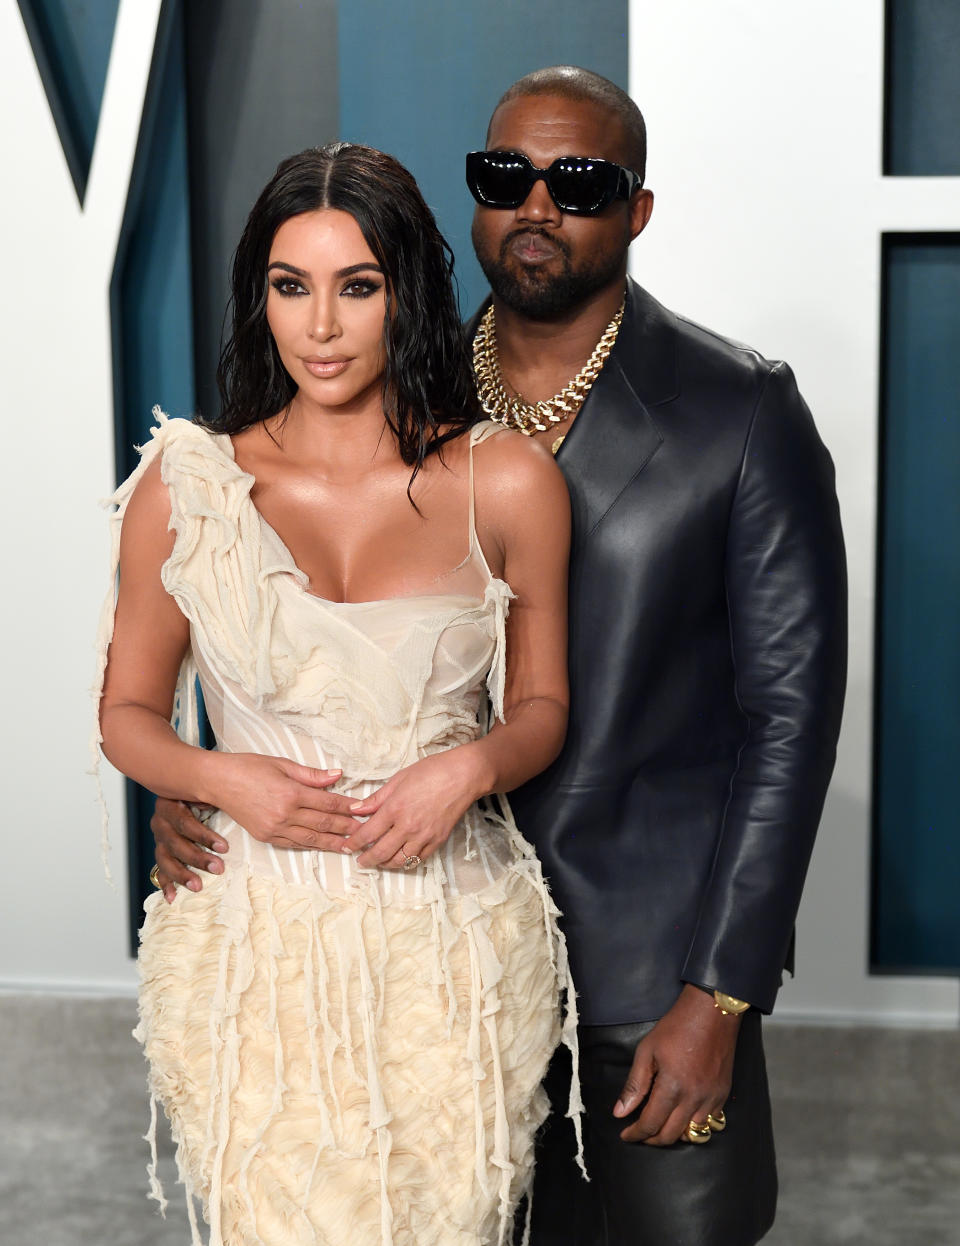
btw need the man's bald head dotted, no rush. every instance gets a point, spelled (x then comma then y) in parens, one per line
(582, 85)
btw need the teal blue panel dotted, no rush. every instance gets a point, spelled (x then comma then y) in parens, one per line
(917, 790)
(923, 87)
(420, 80)
(71, 41)
(152, 305)
(153, 322)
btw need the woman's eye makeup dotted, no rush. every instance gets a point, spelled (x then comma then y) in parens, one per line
(355, 288)
(287, 286)
(361, 287)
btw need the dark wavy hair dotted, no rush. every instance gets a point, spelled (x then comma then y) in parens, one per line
(428, 380)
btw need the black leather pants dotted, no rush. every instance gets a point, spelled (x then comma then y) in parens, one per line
(722, 1193)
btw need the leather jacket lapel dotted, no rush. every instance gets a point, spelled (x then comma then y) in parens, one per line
(611, 441)
(615, 436)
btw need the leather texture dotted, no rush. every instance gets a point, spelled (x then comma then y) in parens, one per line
(722, 1193)
(707, 669)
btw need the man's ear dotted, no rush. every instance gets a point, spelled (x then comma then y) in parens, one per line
(641, 208)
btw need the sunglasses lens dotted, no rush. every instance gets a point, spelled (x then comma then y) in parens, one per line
(583, 186)
(577, 184)
(499, 179)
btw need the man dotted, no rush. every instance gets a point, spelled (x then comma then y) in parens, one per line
(707, 658)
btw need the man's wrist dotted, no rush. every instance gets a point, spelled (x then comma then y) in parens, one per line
(727, 1005)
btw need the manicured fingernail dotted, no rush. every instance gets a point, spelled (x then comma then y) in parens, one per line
(214, 866)
(220, 846)
(356, 804)
(336, 772)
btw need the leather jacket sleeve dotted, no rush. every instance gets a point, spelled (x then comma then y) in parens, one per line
(786, 591)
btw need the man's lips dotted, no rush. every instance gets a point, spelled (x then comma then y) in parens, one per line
(319, 366)
(532, 248)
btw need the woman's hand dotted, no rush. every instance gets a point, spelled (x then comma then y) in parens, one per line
(413, 814)
(280, 802)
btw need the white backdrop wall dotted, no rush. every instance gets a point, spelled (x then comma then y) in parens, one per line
(765, 131)
(61, 926)
(765, 128)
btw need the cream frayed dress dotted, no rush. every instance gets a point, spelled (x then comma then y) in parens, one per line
(348, 1057)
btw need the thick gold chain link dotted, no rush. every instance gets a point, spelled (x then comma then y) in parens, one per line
(512, 410)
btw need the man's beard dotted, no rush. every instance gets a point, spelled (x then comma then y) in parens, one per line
(538, 295)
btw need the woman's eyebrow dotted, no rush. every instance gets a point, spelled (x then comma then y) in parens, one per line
(341, 272)
(358, 268)
(290, 268)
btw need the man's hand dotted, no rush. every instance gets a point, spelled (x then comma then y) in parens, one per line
(682, 1070)
(180, 840)
(288, 807)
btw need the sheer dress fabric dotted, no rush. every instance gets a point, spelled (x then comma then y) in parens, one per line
(346, 1055)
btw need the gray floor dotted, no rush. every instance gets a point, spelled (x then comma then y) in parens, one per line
(868, 1124)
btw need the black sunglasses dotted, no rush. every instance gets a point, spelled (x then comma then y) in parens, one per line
(580, 185)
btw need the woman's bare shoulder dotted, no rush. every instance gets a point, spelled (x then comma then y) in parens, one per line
(507, 463)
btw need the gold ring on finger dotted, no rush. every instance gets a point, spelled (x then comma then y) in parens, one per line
(698, 1132)
(154, 877)
(412, 861)
(717, 1121)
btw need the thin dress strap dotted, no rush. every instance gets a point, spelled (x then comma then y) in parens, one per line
(479, 432)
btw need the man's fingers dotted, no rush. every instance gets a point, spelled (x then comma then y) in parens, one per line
(675, 1125)
(175, 871)
(167, 889)
(655, 1114)
(177, 819)
(184, 852)
(637, 1086)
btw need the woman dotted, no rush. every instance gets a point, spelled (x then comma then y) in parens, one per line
(348, 1042)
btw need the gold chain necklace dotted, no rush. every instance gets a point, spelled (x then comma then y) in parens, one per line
(512, 410)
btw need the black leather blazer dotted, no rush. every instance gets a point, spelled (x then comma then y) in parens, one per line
(707, 671)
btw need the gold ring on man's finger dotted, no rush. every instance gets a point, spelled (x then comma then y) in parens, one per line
(155, 877)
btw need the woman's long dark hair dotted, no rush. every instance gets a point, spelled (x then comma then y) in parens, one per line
(428, 379)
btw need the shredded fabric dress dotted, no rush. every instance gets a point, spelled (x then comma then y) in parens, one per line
(346, 1055)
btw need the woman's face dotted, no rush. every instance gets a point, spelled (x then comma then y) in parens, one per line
(325, 308)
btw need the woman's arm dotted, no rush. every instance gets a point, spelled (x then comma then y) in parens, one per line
(523, 515)
(272, 798)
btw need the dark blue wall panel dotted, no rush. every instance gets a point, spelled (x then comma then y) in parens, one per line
(420, 80)
(153, 321)
(923, 87)
(917, 788)
(71, 42)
